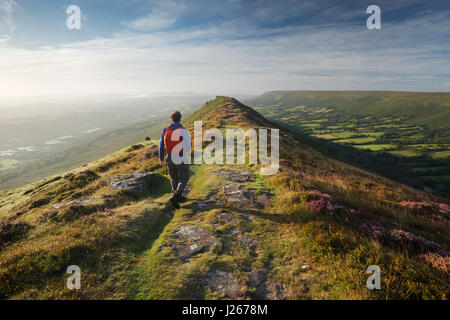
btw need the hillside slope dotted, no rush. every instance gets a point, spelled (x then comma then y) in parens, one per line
(308, 232)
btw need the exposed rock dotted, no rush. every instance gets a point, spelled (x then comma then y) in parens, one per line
(224, 282)
(235, 176)
(225, 217)
(257, 276)
(194, 240)
(138, 182)
(266, 288)
(211, 203)
(264, 199)
(238, 196)
(248, 242)
(80, 201)
(234, 232)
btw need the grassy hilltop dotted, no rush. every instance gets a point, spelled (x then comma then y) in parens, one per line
(308, 232)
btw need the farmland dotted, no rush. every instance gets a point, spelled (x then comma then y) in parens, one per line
(406, 148)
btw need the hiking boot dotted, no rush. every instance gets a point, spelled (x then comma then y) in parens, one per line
(175, 203)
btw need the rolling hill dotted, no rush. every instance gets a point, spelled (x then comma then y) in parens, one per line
(432, 109)
(308, 232)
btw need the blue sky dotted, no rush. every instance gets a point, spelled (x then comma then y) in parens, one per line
(139, 47)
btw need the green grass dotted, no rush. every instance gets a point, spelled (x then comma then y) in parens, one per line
(440, 154)
(375, 147)
(406, 153)
(362, 140)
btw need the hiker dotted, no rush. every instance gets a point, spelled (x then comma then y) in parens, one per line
(179, 172)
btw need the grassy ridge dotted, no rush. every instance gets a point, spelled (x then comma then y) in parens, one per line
(124, 243)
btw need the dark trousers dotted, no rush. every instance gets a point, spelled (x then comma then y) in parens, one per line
(179, 176)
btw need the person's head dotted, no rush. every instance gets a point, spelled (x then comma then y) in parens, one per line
(175, 117)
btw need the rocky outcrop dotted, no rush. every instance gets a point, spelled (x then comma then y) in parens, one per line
(224, 282)
(192, 240)
(138, 182)
(235, 176)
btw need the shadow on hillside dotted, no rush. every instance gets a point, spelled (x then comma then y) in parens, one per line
(394, 167)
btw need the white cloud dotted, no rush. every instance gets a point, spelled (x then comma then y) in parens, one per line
(233, 57)
(163, 15)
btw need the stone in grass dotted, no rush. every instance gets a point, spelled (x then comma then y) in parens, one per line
(211, 203)
(235, 176)
(77, 202)
(226, 217)
(224, 282)
(138, 182)
(264, 199)
(248, 242)
(257, 276)
(238, 196)
(193, 240)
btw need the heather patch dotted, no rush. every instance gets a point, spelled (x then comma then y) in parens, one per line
(426, 207)
(323, 203)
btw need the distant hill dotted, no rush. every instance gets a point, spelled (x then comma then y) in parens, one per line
(308, 232)
(432, 109)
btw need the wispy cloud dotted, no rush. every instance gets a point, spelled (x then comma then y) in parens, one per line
(163, 15)
(231, 53)
(7, 8)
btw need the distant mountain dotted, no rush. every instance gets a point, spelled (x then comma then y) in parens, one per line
(428, 108)
(308, 232)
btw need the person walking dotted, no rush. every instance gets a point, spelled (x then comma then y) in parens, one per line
(178, 167)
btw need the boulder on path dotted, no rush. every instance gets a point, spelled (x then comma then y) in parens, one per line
(138, 182)
(238, 196)
(193, 240)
